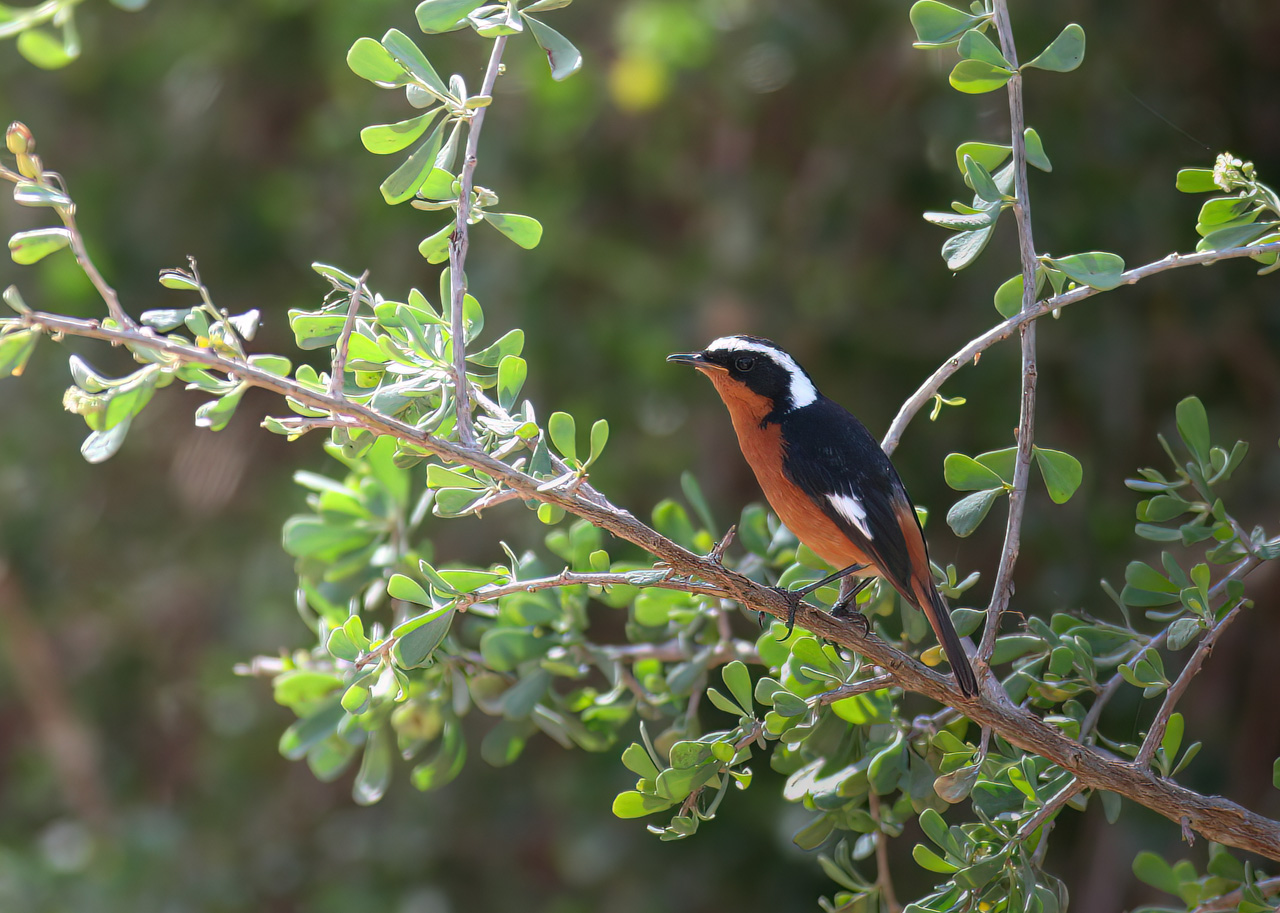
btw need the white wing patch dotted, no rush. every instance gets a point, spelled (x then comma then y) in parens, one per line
(852, 510)
(802, 390)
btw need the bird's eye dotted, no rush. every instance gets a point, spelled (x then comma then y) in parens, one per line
(744, 362)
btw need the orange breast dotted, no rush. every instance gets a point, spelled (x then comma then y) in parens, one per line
(763, 449)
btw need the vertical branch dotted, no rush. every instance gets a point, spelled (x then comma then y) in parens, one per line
(458, 244)
(344, 340)
(884, 880)
(1003, 588)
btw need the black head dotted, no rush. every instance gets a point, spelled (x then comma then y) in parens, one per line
(759, 365)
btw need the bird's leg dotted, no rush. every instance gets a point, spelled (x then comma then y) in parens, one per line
(794, 597)
(846, 607)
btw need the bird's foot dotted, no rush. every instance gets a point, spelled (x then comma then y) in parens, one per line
(846, 612)
(793, 598)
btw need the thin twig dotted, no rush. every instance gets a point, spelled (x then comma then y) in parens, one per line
(884, 878)
(1229, 903)
(1214, 817)
(458, 244)
(969, 353)
(1049, 809)
(1241, 570)
(1179, 687)
(1002, 589)
(574, 578)
(344, 339)
(852, 689)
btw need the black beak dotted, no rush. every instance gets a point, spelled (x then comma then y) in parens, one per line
(697, 359)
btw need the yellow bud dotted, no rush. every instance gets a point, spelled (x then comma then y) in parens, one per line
(18, 138)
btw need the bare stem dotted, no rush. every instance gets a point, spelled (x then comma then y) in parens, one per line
(1002, 331)
(344, 340)
(458, 245)
(1239, 572)
(1003, 587)
(1229, 903)
(1049, 809)
(884, 879)
(1179, 687)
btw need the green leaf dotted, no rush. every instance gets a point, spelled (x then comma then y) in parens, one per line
(989, 155)
(1193, 428)
(965, 515)
(963, 248)
(981, 181)
(974, 45)
(383, 139)
(930, 861)
(1097, 269)
(410, 56)
(525, 231)
(404, 182)
(511, 343)
(45, 49)
(564, 58)
(563, 431)
(408, 589)
(938, 25)
(436, 247)
(1001, 462)
(369, 60)
(15, 349)
(26, 193)
(1173, 732)
(632, 804)
(599, 437)
(447, 763)
(417, 638)
(100, 446)
(738, 680)
(27, 247)
(375, 769)
(637, 760)
(974, 77)
(1064, 53)
(437, 16)
(964, 473)
(1036, 156)
(1062, 473)
(1196, 180)
(512, 371)
(1008, 297)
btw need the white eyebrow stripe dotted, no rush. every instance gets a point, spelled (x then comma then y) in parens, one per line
(851, 509)
(802, 390)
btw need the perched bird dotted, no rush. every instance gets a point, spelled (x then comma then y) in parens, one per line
(827, 479)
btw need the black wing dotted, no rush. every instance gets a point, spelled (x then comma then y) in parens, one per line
(829, 452)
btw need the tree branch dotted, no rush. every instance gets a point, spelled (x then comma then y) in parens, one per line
(344, 339)
(1002, 589)
(1171, 697)
(975, 347)
(1216, 818)
(884, 879)
(458, 244)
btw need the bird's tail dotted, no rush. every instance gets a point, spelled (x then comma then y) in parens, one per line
(935, 608)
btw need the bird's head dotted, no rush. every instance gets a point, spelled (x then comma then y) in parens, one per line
(754, 374)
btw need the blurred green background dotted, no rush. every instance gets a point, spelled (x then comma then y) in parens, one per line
(718, 166)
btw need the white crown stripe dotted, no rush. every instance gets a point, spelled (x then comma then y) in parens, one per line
(852, 510)
(802, 390)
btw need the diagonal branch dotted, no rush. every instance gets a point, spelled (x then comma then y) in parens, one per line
(458, 244)
(344, 339)
(1216, 818)
(975, 347)
(1171, 697)
(1002, 590)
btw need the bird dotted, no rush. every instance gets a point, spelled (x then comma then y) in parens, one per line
(828, 480)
